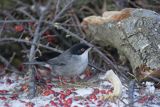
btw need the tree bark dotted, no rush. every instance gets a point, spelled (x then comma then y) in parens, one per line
(134, 32)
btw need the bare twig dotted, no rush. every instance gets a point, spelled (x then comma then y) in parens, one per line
(67, 6)
(5, 40)
(16, 21)
(97, 68)
(21, 3)
(77, 22)
(3, 60)
(37, 36)
(11, 59)
(131, 91)
(8, 15)
(57, 6)
(25, 13)
(134, 4)
(63, 10)
(121, 3)
(1, 30)
(37, 7)
(154, 78)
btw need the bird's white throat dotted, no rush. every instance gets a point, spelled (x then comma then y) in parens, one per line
(84, 56)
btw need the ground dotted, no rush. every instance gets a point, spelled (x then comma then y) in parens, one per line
(13, 92)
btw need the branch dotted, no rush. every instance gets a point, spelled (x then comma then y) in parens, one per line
(58, 15)
(7, 63)
(5, 40)
(37, 36)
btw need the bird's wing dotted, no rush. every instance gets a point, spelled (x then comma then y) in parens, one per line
(61, 60)
(34, 63)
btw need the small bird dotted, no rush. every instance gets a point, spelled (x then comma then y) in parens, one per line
(71, 63)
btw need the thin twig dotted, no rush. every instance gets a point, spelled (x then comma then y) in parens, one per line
(37, 7)
(3, 60)
(131, 91)
(8, 15)
(5, 40)
(10, 60)
(16, 21)
(63, 10)
(26, 13)
(2, 28)
(57, 6)
(97, 68)
(67, 6)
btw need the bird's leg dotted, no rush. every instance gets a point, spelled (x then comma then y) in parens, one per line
(60, 80)
(74, 79)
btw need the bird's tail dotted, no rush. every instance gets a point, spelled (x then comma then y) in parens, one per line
(34, 63)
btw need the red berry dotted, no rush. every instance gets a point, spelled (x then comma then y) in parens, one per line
(143, 99)
(60, 103)
(29, 104)
(62, 96)
(68, 92)
(3, 91)
(69, 101)
(93, 96)
(6, 105)
(108, 91)
(14, 97)
(19, 28)
(53, 103)
(100, 102)
(48, 92)
(49, 86)
(52, 91)
(65, 105)
(103, 91)
(3, 98)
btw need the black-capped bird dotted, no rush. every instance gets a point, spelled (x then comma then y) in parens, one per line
(70, 63)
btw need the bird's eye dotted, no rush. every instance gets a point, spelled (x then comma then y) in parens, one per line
(82, 49)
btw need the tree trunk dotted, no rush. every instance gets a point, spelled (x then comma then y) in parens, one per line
(134, 32)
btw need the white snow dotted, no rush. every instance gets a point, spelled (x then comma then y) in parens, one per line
(84, 91)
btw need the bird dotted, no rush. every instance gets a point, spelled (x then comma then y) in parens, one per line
(71, 63)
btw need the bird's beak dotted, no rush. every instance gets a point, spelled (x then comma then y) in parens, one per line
(89, 48)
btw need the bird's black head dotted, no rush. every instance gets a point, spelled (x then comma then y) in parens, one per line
(79, 48)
